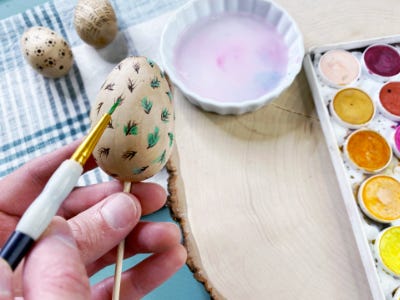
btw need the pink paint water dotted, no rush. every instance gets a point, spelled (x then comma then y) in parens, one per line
(231, 57)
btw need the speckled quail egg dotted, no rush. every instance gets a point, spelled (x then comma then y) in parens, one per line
(95, 22)
(139, 138)
(46, 51)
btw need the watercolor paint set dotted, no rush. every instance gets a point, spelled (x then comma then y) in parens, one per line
(356, 90)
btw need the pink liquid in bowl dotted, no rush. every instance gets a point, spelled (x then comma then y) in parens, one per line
(231, 57)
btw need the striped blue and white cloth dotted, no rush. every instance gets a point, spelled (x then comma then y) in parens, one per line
(39, 115)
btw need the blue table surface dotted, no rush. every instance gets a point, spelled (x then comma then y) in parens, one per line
(182, 285)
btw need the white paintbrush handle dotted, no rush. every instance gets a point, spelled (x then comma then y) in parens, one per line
(39, 214)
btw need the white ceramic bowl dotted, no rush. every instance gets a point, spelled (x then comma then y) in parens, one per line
(200, 9)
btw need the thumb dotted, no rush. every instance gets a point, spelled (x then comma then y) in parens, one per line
(54, 269)
(5, 281)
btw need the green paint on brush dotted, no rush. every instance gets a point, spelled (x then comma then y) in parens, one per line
(112, 109)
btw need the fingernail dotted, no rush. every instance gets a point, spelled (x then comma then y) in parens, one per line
(119, 211)
(5, 280)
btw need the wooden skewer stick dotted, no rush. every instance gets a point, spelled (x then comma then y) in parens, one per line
(120, 257)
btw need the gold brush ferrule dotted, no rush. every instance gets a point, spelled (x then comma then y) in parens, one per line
(85, 149)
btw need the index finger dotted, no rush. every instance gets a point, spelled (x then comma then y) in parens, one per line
(25, 184)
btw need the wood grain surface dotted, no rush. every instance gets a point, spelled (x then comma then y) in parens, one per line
(258, 197)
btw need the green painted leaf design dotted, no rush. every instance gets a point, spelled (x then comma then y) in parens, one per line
(155, 83)
(153, 138)
(165, 115)
(150, 62)
(162, 74)
(171, 138)
(161, 158)
(130, 128)
(147, 105)
(169, 94)
(138, 171)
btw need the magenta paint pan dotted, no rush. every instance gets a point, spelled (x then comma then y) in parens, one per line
(382, 61)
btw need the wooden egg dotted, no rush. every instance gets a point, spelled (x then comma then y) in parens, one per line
(139, 139)
(95, 22)
(46, 51)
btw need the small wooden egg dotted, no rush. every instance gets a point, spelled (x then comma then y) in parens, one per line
(139, 139)
(46, 51)
(95, 22)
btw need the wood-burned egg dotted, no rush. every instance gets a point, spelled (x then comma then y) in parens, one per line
(139, 139)
(46, 51)
(95, 22)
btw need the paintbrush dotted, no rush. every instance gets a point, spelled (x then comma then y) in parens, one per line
(39, 214)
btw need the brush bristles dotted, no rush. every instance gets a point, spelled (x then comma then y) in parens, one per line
(112, 109)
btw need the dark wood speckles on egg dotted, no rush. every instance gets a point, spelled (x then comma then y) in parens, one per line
(39, 51)
(110, 125)
(50, 62)
(62, 52)
(46, 51)
(50, 43)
